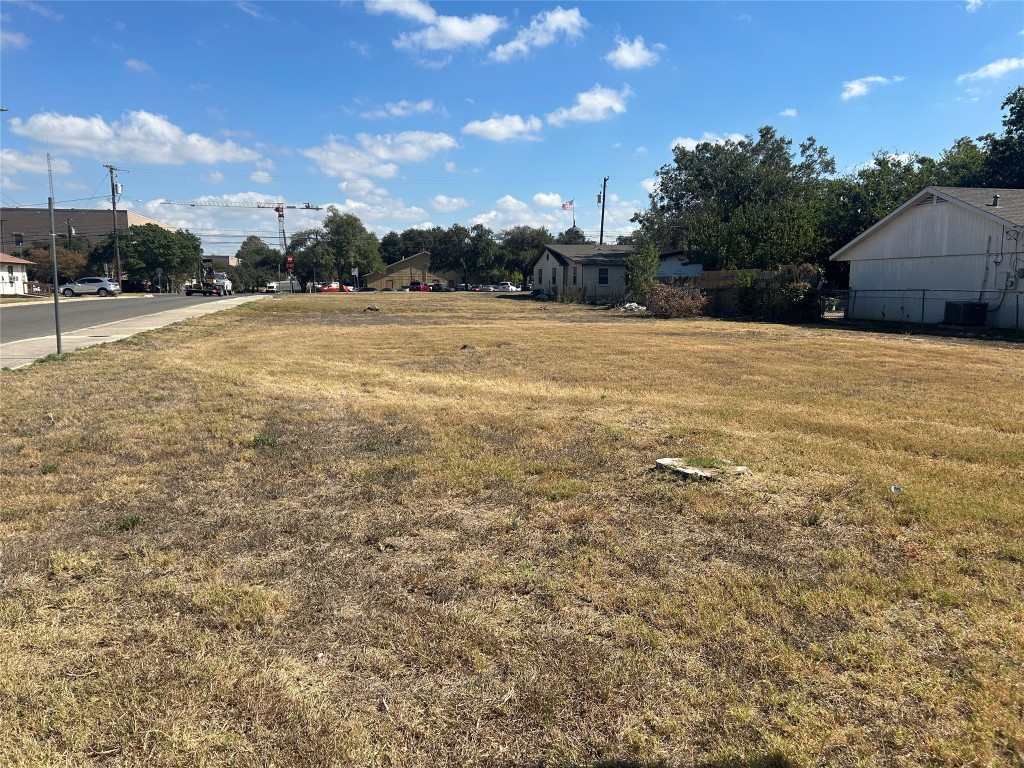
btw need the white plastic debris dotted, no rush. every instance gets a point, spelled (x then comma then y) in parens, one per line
(700, 474)
(897, 489)
(633, 307)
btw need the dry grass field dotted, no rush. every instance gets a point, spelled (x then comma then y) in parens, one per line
(299, 533)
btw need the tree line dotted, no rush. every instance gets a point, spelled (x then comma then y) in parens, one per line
(755, 203)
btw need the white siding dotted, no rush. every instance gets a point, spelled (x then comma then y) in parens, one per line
(935, 252)
(615, 288)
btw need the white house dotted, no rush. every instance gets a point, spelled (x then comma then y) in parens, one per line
(13, 275)
(597, 271)
(949, 254)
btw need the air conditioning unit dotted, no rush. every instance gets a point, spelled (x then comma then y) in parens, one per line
(966, 313)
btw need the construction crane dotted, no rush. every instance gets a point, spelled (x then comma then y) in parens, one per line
(278, 207)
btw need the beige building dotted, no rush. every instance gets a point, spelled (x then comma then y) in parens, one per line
(408, 270)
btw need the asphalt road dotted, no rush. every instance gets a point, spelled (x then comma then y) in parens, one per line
(27, 330)
(29, 321)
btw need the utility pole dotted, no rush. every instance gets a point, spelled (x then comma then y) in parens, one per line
(601, 199)
(53, 256)
(113, 204)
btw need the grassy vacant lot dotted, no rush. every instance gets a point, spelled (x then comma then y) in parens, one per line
(300, 533)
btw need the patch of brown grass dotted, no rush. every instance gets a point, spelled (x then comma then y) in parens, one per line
(300, 533)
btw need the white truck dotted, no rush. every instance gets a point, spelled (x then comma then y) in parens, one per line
(222, 281)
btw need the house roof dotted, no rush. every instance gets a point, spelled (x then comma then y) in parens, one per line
(6, 258)
(1011, 201)
(1009, 212)
(401, 263)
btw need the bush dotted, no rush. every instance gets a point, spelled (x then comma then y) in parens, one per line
(669, 301)
(572, 295)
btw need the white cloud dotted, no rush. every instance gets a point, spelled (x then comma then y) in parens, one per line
(363, 189)
(973, 5)
(596, 104)
(445, 204)
(42, 10)
(12, 41)
(251, 9)
(363, 49)
(544, 30)
(548, 200)
(213, 178)
(632, 55)
(992, 71)
(407, 9)
(261, 177)
(383, 210)
(505, 128)
(712, 138)
(138, 66)
(140, 136)
(19, 162)
(509, 203)
(401, 108)
(449, 33)
(377, 155)
(450, 167)
(641, 150)
(788, 112)
(649, 185)
(863, 85)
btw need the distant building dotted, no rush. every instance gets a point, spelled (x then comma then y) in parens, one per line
(413, 268)
(13, 275)
(949, 254)
(21, 227)
(224, 261)
(598, 272)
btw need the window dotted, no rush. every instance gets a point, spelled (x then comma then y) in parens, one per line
(574, 275)
(554, 275)
(602, 276)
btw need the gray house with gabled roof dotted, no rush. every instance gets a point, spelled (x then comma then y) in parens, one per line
(949, 254)
(597, 272)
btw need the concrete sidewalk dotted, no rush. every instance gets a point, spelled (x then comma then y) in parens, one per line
(17, 354)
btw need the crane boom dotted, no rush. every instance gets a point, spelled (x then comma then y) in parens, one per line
(278, 207)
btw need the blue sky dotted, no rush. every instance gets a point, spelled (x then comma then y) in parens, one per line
(413, 114)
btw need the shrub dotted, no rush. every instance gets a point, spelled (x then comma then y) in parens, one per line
(572, 295)
(669, 301)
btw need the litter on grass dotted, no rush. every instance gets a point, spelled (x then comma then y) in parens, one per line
(700, 474)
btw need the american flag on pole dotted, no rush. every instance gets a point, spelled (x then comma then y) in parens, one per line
(568, 206)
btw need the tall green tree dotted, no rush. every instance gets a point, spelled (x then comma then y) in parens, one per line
(312, 256)
(1004, 161)
(747, 203)
(350, 244)
(642, 271)
(519, 245)
(147, 248)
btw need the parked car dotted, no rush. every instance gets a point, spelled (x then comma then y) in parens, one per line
(271, 288)
(463, 287)
(330, 288)
(507, 286)
(100, 286)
